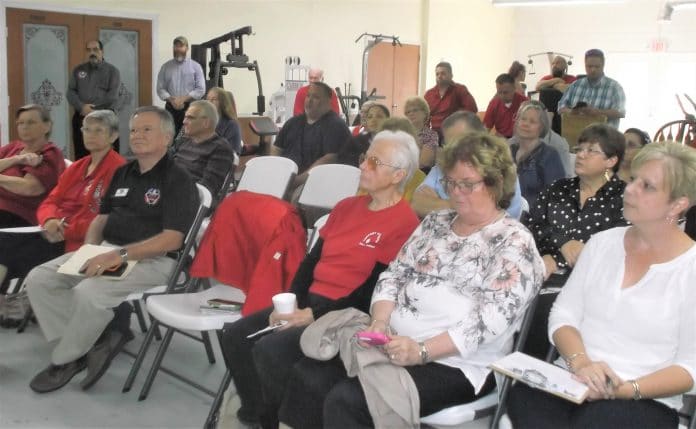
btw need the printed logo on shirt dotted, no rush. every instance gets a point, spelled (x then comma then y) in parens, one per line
(371, 240)
(82, 74)
(152, 196)
(121, 192)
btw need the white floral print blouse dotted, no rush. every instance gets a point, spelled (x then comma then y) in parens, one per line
(475, 288)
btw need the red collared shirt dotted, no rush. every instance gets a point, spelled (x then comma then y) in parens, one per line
(502, 117)
(457, 97)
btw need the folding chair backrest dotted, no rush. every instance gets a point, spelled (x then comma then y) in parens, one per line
(328, 184)
(205, 202)
(524, 206)
(227, 182)
(314, 236)
(269, 175)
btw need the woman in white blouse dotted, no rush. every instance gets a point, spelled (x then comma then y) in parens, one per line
(454, 296)
(625, 323)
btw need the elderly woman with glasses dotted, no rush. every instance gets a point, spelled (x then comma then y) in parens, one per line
(538, 164)
(567, 213)
(361, 236)
(417, 111)
(624, 322)
(449, 303)
(67, 211)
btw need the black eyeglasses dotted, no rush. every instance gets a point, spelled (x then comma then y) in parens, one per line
(463, 186)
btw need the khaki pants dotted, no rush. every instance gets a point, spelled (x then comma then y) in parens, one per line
(77, 309)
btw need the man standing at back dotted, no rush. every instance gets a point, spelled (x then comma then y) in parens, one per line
(595, 94)
(93, 85)
(314, 137)
(179, 82)
(314, 75)
(447, 97)
(144, 215)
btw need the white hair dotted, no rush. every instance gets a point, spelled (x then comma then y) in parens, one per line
(406, 154)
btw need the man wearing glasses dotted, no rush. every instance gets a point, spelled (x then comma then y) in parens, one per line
(93, 85)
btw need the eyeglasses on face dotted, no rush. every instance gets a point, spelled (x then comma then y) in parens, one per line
(373, 162)
(462, 186)
(587, 150)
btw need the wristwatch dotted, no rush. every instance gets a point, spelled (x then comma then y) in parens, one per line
(424, 355)
(123, 253)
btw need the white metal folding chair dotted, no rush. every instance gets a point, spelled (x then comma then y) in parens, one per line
(314, 233)
(328, 184)
(524, 205)
(205, 201)
(488, 404)
(268, 175)
(182, 312)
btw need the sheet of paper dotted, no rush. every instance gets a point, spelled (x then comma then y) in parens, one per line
(542, 375)
(22, 230)
(86, 251)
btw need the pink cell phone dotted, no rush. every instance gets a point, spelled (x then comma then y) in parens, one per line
(372, 338)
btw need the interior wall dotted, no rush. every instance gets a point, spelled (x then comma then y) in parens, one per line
(321, 32)
(627, 33)
(475, 38)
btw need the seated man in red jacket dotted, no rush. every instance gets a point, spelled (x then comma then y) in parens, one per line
(68, 210)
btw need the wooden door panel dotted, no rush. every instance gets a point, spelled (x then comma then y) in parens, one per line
(50, 37)
(380, 71)
(406, 65)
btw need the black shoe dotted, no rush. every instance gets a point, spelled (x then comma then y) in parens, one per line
(100, 356)
(56, 376)
(247, 420)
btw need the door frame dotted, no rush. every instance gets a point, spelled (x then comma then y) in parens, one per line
(5, 114)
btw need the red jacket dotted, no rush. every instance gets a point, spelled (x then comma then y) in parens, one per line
(301, 95)
(254, 242)
(76, 197)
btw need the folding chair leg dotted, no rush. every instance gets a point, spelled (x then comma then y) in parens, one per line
(156, 364)
(140, 316)
(208, 347)
(502, 402)
(25, 322)
(141, 356)
(213, 415)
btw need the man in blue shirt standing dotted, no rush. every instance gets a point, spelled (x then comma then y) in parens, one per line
(179, 82)
(601, 95)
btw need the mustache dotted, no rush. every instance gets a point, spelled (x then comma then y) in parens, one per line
(92, 57)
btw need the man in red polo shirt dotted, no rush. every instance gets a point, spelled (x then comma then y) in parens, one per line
(502, 109)
(559, 78)
(447, 96)
(314, 75)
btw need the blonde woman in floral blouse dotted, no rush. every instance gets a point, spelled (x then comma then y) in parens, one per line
(454, 296)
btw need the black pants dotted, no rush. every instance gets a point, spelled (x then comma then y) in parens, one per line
(19, 253)
(537, 343)
(11, 220)
(533, 408)
(319, 394)
(177, 115)
(239, 350)
(80, 151)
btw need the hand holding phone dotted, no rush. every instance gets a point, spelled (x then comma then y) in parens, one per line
(372, 338)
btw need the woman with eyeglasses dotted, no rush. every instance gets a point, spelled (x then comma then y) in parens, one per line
(624, 322)
(65, 214)
(449, 303)
(538, 164)
(417, 111)
(635, 140)
(567, 213)
(362, 235)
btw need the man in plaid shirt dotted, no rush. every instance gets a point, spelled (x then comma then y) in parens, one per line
(596, 94)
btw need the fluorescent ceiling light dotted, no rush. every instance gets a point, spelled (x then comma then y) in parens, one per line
(552, 2)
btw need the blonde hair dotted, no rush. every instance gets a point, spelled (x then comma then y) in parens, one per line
(678, 167)
(420, 103)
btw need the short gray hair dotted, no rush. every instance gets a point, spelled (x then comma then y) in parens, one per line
(209, 110)
(471, 119)
(106, 118)
(166, 120)
(543, 116)
(405, 156)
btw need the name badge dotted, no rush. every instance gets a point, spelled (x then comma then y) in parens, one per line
(121, 192)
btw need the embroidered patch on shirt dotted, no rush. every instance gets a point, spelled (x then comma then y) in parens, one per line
(152, 196)
(121, 192)
(371, 239)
